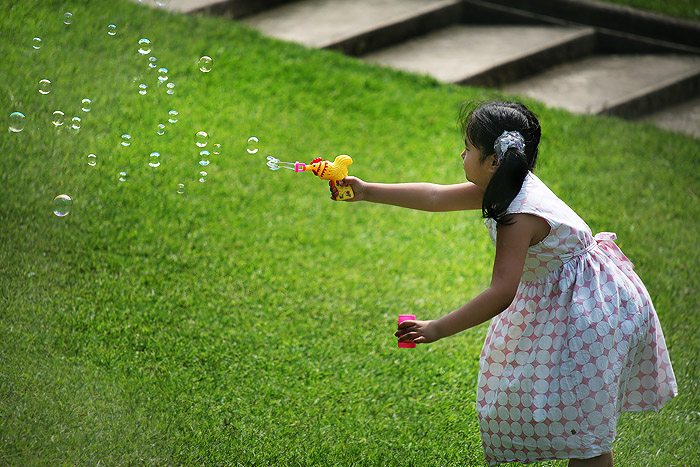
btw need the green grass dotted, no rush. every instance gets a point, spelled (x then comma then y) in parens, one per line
(249, 321)
(687, 9)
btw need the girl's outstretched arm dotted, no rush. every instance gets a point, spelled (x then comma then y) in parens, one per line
(511, 250)
(421, 196)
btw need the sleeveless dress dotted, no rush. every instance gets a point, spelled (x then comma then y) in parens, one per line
(580, 343)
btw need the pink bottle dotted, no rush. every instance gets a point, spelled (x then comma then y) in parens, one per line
(406, 345)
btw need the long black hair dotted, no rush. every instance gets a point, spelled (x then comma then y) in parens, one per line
(481, 124)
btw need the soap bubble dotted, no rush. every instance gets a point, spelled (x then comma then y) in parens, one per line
(126, 140)
(67, 18)
(144, 46)
(86, 105)
(62, 205)
(171, 88)
(162, 2)
(155, 159)
(161, 129)
(205, 158)
(44, 86)
(172, 116)
(76, 123)
(201, 138)
(217, 149)
(36, 43)
(180, 188)
(58, 118)
(202, 176)
(112, 29)
(16, 122)
(205, 64)
(152, 62)
(162, 75)
(143, 89)
(252, 145)
(122, 176)
(92, 160)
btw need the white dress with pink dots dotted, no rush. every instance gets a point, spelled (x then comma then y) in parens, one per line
(580, 343)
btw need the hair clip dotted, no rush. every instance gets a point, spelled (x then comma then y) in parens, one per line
(508, 139)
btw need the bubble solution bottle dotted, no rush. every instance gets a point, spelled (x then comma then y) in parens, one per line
(406, 345)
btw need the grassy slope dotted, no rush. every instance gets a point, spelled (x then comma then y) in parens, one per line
(687, 9)
(249, 320)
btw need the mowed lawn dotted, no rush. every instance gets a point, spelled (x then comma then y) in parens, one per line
(249, 319)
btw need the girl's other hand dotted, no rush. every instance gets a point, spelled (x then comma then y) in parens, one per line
(417, 332)
(358, 186)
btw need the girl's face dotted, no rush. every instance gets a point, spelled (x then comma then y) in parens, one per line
(477, 171)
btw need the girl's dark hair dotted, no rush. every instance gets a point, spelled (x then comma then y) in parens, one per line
(481, 124)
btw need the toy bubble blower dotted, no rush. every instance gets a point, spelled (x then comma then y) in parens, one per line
(332, 171)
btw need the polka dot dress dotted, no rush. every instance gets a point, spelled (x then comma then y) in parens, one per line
(580, 343)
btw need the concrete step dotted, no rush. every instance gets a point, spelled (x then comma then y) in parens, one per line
(354, 26)
(682, 118)
(487, 55)
(622, 85)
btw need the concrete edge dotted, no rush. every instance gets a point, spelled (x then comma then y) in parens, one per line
(614, 17)
(419, 23)
(653, 99)
(556, 53)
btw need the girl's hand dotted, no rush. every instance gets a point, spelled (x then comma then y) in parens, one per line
(417, 332)
(358, 186)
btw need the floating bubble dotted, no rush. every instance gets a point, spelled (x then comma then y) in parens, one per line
(162, 75)
(144, 46)
(67, 18)
(202, 176)
(44, 86)
(76, 123)
(172, 116)
(126, 140)
(162, 2)
(252, 145)
(217, 149)
(58, 118)
(171, 88)
(180, 188)
(201, 138)
(62, 205)
(122, 176)
(155, 159)
(205, 157)
(16, 122)
(112, 29)
(152, 62)
(143, 89)
(36, 43)
(161, 129)
(86, 105)
(205, 64)
(92, 160)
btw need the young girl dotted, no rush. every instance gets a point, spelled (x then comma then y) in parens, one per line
(574, 338)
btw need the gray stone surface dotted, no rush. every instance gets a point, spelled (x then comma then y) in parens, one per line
(321, 23)
(595, 83)
(684, 118)
(456, 53)
(183, 6)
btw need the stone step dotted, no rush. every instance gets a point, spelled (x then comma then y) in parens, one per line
(354, 26)
(622, 85)
(682, 118)
(487, 55)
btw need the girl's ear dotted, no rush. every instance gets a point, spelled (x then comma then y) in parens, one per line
(494, 163)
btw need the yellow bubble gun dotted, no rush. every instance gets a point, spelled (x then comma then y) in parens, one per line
(332, 171)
